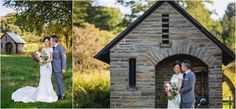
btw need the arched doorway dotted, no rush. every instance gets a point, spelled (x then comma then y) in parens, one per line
(164, 72)
(9, 48)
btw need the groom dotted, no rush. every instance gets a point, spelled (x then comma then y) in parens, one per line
(187, 90)
(59, 65)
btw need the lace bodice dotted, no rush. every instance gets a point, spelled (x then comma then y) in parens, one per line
(48, 50)
(175, 78)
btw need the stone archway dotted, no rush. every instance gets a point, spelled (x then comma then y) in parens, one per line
(210, 55)
(164, 71)
(9, 47)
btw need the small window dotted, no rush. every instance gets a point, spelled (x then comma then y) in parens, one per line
(165, 29)
(132, 72)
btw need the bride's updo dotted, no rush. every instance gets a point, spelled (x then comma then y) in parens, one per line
(46, 41)
(48, 38)
(177, 63)
(176, 68)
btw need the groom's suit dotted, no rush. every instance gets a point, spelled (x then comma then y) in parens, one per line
(187, 90)
(59, 64)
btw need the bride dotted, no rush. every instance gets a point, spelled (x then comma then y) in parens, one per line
(177, 79)
(44, 92)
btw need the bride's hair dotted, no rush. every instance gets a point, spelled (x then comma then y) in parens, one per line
(46, 38)
(177, 63)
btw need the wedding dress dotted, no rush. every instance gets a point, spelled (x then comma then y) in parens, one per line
(175, 103)
(44, 92)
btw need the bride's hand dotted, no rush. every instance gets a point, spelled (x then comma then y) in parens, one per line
(179, 91)
(49, 60)
(40, 61)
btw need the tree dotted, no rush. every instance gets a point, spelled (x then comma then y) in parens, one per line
(105, 18)
(44, 17)
(203, 16)
(230, 11)
(228, 25)
(8, 23)
(80, 11)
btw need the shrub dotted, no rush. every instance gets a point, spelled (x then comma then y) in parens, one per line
(91, 89)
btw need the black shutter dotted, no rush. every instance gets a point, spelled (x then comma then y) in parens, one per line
(132, 72)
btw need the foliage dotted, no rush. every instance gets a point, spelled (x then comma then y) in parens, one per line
(91, 90)
(105, 18)
(228, 25)
(80, 11)
(203, 16)
(87, 41)
(18, 71)
(30, 48)
(91, 83)
(31, 38)
(137, 9)
(44, 17)
(7, 23)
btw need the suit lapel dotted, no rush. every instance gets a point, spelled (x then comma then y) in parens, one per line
(56, 48)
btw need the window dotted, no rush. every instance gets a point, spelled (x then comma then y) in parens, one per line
(132, 72)
(165, 29)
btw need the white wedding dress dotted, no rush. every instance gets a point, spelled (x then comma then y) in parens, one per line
(44, 92)
(175, 103)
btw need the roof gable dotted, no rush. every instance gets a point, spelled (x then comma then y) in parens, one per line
(227, 54)
(15, 37)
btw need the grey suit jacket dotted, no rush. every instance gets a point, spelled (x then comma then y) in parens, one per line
(187, 90)
(59, 59)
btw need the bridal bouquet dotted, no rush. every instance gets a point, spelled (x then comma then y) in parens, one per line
(40, 56)
(171, 89)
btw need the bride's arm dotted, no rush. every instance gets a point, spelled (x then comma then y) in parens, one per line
(179, 84)
(50, 57)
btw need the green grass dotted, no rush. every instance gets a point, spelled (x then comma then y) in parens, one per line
(18, 71)
(91, 90)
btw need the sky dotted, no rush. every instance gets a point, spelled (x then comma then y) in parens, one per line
(4, 10)
(218, 5)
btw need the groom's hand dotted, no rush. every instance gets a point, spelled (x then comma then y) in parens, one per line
(63, 71)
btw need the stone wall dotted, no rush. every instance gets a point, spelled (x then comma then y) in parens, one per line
(143, 43)
(20, 48)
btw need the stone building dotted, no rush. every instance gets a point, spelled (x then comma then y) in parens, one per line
(11, 43)
(141, 57)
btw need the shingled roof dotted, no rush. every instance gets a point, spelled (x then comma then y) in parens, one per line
(15, 37)
(227, 55)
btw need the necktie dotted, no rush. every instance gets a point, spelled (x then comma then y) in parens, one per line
(53, 47)
(184, 74)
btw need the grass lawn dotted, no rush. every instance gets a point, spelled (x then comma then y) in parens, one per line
(18, 71)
